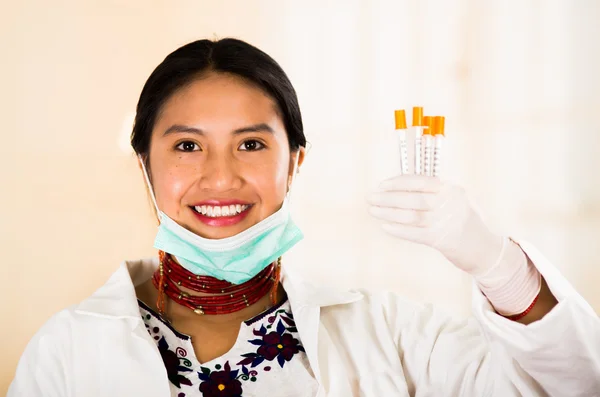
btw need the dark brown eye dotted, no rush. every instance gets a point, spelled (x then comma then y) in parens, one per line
(251, 145)
(187, 146)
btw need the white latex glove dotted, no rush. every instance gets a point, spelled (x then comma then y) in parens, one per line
(428, 211)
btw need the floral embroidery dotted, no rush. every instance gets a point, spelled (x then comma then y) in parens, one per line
(220, 383)
(285, 316)
(275, 344)
(172, 360)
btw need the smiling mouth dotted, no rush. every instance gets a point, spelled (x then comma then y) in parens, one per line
(216, 211)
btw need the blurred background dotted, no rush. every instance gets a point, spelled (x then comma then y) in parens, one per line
(518, 82)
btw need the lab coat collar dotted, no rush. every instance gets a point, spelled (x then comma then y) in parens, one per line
(116, 298)
(302, 293)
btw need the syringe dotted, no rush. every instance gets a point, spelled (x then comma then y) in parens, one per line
(400, 118)
(427, 146)
(438, 137)
(417, 126)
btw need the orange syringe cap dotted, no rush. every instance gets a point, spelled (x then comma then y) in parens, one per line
(438, 125)
(417, 119)
(400, 117)
(427, 121)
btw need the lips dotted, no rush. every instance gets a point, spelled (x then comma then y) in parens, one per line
(221, 212)
(215, 211)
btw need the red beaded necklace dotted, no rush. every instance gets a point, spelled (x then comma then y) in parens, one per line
(225, 297)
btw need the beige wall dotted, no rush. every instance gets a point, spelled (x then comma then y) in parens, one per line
(518, 82)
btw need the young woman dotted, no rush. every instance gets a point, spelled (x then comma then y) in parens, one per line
(219, 136)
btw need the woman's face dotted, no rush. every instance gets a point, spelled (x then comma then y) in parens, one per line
(219, 157)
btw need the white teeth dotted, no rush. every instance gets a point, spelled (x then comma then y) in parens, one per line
(216, 211)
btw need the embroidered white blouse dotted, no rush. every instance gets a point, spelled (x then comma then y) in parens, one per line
(267, 359)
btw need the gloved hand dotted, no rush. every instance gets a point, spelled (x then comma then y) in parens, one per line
(426, 210)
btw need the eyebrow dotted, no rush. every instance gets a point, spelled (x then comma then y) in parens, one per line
(178, 128)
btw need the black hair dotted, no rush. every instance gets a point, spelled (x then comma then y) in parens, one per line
(230, 56)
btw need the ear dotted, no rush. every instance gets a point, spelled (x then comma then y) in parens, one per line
(297, 155)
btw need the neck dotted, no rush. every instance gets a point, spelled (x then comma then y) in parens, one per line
(184, 295)
(181, 316)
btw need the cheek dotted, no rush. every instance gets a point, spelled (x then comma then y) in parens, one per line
(270, 181)
(170, 184)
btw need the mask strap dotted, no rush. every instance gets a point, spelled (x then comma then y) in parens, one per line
(292, 179)
(148, 184)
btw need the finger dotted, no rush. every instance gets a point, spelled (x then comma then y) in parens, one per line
(409, 233)
(412, 183)
(406, 200)
(420, 219)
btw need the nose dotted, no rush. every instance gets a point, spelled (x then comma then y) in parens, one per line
(219, 173)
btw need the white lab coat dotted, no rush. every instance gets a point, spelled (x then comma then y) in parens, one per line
(358, 344)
